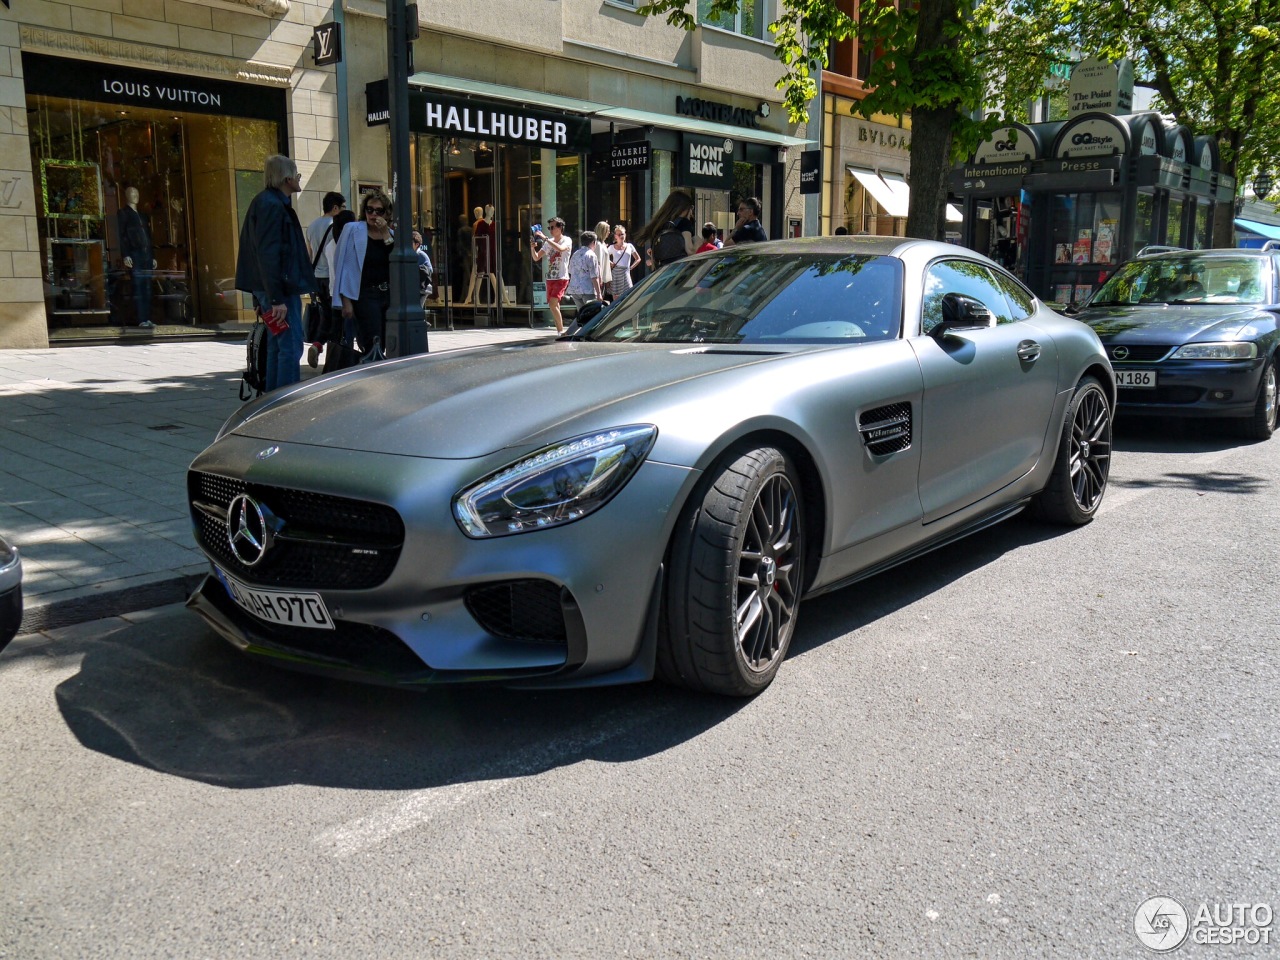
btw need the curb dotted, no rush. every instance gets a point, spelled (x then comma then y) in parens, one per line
(100, 601)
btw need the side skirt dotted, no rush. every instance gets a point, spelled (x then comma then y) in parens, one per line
(928, 546)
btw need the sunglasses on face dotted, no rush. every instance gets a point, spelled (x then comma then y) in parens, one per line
(374, 211)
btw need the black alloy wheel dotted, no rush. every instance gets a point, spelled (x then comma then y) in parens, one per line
(736, 578)
(1079, 479)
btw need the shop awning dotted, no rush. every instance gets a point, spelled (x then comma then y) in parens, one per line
(708, 128)
(894, 204)
(893, 193)
(1268, 230)
(602, 111)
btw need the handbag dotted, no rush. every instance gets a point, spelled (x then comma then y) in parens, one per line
(339, 355)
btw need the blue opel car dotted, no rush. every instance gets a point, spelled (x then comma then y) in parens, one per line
(1193, 333)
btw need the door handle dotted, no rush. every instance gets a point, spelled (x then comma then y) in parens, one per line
(1028, 351)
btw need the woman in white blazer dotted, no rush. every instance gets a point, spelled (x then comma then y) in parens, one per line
(361, 275)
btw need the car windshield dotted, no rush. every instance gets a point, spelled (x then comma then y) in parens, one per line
(1186, 279)
(754, 296)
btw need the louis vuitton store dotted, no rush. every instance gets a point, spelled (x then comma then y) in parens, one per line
(141, 180)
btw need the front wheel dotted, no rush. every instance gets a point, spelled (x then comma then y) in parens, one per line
(1079, 479)
(1262, 423)
(736, 578)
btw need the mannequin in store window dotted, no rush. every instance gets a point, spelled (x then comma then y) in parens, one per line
(484, 257)
(135, 246)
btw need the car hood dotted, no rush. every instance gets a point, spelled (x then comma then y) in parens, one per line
(468, 403)
(1167, 323)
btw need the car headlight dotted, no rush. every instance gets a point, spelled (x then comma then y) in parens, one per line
(1216, 351)
(556, 485)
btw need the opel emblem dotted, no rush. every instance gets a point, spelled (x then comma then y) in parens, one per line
(1120, 352)
(270, 451)
(248, 531)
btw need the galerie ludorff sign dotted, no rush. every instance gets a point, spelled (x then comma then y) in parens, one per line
(1100, 86)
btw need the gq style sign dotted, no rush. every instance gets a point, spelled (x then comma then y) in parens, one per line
(625, 157)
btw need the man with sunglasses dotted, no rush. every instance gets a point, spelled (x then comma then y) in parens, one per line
(273, 265)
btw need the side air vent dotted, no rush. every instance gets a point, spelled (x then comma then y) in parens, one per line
(886, 430)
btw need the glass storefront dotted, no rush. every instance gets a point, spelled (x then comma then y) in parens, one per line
(476, 199)
(475, 203)
(1085, 244)
(139, 207)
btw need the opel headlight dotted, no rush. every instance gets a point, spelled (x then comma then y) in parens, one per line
(1216, 351)
(556, 485)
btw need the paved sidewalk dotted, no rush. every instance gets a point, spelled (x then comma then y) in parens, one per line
(94, 448)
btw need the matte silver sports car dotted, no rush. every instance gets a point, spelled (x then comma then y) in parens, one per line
(749, 427)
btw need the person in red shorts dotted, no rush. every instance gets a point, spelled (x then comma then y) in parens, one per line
(555, 249)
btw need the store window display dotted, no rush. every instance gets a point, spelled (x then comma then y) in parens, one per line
(134, 231)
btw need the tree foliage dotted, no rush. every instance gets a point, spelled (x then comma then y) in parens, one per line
(1211, 62)
(926, 67)
(958, 70)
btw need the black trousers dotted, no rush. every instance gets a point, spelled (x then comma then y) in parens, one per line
(371, 317)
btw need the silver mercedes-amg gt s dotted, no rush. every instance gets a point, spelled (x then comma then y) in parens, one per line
(748, 427)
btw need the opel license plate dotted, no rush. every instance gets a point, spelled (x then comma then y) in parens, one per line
(1136, 379)
(286, 608)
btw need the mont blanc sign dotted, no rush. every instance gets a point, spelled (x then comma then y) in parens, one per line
(1099, 86)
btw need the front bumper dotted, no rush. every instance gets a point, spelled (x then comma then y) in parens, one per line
(1194, 388)
(10, 593)
(566, 605)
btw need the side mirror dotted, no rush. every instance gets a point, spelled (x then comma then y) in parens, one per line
(960, 312)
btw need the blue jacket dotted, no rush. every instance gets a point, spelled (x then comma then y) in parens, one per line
(273, 251)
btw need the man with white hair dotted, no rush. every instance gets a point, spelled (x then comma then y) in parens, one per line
(273, 265)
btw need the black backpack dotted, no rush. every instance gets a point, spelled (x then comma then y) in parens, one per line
(668, 245)
(253, 382)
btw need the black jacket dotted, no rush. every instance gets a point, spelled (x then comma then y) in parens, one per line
(135, 237)
(273, 251)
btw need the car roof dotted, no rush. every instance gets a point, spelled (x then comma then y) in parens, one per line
(1212, 253)
(869, 245)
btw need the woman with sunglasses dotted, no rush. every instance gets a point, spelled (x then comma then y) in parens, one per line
(361, 277)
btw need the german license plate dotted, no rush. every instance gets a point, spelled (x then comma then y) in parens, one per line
(1136, 379)
(278, 606)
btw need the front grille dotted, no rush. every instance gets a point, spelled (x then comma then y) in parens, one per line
(528, 610)
(1138, 352)
(325, 543)
(886, 429)
(357, 645)
(1172, 395)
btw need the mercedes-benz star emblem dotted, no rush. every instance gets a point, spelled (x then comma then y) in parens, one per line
(248, 531)
(1120, 353)
(270, 451)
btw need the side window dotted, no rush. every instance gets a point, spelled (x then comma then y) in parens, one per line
(1021, 303)
(968, 277)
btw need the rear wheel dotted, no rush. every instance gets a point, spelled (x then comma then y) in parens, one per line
(1079, 479)
(736, 568)
(1262, 424)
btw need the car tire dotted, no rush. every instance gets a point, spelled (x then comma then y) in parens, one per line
(1079, 479)
(736, 577)
(1262, 424)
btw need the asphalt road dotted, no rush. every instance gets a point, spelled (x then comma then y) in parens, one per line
(999, 750)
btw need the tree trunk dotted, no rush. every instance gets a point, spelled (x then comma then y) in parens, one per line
(930, 170)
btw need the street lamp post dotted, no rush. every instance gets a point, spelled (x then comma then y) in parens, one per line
(405, 304)
(1262, 184)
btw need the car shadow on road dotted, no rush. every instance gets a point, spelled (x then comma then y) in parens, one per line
(166, 694)
(1182, 437)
